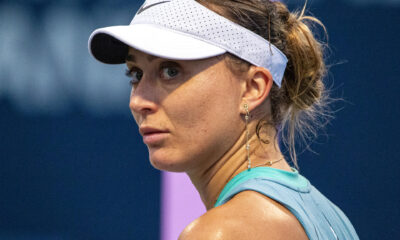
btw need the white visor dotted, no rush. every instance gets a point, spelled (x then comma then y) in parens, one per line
(185, 30)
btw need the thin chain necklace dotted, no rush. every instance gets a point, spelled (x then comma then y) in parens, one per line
(269, 163)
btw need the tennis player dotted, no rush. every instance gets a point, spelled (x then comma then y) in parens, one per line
(217, 86)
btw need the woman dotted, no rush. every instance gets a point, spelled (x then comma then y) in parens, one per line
(213, 84)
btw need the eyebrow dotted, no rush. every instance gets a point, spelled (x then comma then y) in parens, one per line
(131, 58)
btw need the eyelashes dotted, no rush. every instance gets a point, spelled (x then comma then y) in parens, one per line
(128, 72)
(135, 74)
(169, 72)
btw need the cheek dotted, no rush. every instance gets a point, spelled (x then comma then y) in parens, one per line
(206, 118)
(205, 105)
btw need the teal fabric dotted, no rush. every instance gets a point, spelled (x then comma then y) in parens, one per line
(320, 218)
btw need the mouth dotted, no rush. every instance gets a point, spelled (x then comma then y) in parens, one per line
(152, 135)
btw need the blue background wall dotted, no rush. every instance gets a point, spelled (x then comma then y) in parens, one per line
(72, 165)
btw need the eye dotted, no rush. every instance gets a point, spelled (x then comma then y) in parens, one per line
(135, 74)
(169, 72)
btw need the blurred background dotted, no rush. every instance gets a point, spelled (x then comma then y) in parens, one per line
(72, 165)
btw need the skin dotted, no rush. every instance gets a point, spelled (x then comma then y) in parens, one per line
(199, 107)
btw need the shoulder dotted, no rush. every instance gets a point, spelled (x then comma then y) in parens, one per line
(249, 215)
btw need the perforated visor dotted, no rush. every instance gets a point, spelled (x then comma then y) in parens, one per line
(185, 30)
(110, 44)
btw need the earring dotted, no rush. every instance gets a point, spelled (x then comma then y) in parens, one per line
(246, 117)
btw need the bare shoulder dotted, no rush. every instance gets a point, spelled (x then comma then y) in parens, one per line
(249, 215)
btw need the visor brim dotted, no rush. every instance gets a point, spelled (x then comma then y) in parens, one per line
(110, 45)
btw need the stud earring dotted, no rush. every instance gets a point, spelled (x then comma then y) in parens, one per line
(246, 117)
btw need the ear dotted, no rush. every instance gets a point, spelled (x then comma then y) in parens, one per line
(257, 87)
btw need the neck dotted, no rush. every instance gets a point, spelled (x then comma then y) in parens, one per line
(210, 181)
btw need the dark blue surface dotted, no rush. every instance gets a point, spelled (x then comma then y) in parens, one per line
(83, 175)
(77, 177)
(357, 165)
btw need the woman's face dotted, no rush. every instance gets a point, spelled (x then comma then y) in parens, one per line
(188, 112)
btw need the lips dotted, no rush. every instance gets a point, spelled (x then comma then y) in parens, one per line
(150, 130)
(152, 135)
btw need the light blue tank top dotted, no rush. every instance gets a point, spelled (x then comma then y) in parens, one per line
(320, 218)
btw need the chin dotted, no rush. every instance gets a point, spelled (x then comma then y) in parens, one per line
(165, 163)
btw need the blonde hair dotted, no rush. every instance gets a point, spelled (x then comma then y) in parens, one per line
(299, 107)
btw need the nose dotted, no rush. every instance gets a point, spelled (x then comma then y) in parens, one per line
(142, 100)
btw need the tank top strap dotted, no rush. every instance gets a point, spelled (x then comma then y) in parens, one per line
(291, 180)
